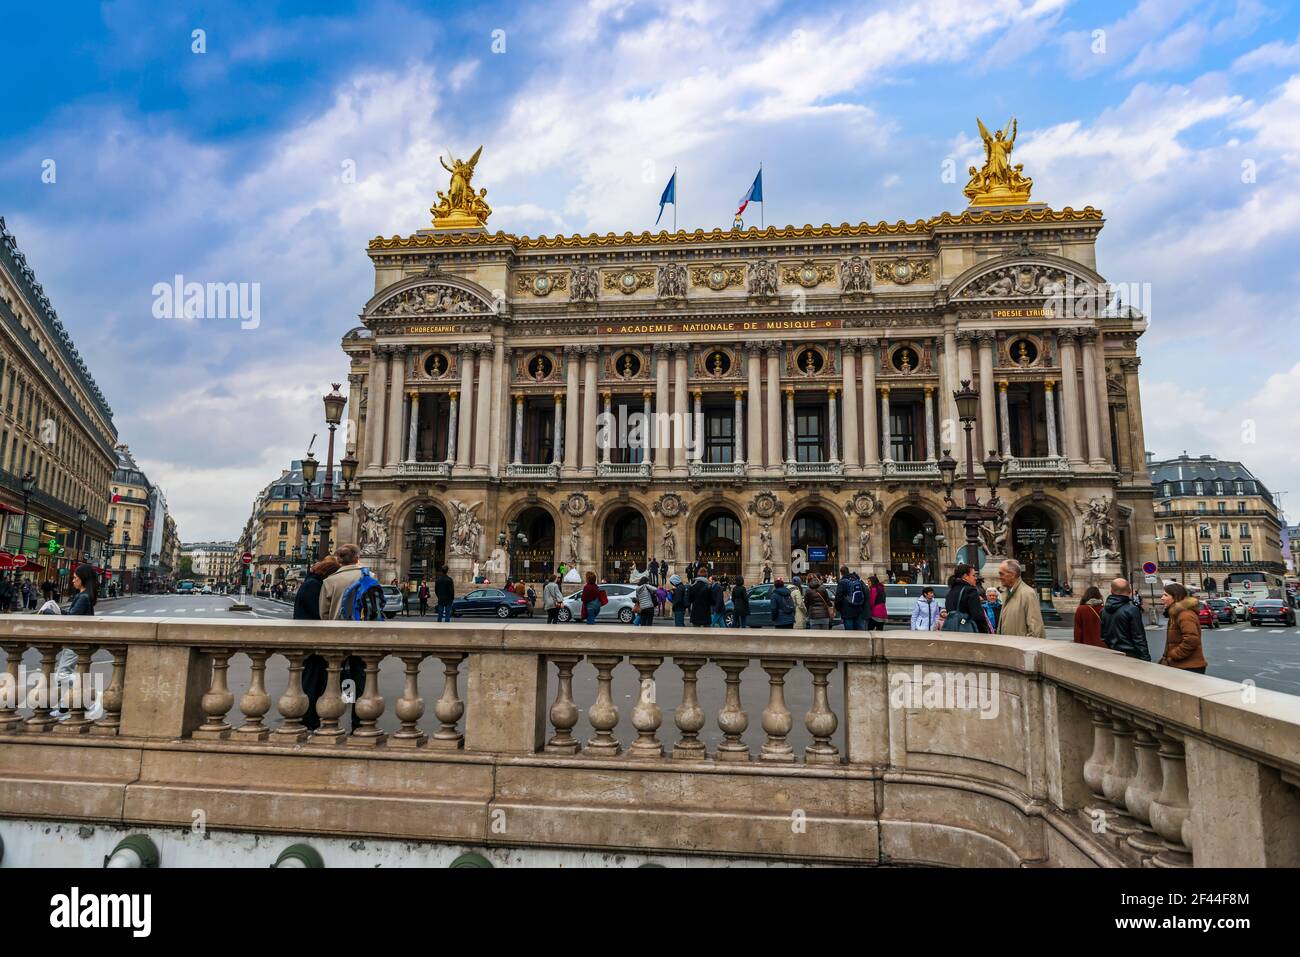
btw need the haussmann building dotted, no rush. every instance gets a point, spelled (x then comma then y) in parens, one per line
(815, 368)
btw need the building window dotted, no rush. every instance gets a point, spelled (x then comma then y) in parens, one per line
(719, 442)
(809, 428)
(1241, 507)
(1246, 554)
(1223, 506)
(1200, 488)
(284, 528)
(1171, 555)
(1205, 554)
(284, 507)
(1227, 554)
(1236, 488)
(1218, 488)
(1169, 531)
(1223, 529)
(282, 547)
(1203, 531)
(1169, 507)
(1200, 508)
(1244, 530)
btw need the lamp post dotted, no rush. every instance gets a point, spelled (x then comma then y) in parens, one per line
(512, 540)
(126, 547)
(972, 512)
(82, 515)
(930, 542)
(326, 506)
(108, 550)
(29, 484)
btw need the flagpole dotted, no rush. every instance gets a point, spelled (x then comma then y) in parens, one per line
(762, 207)
(674, 199)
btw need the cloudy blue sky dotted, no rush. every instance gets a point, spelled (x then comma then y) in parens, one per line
(1180, 120)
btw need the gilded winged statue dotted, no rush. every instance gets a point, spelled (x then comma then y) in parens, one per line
(460, 205)
(998, 182)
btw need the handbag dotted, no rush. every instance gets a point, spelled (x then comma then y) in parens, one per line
(958, 620)
(604, 598)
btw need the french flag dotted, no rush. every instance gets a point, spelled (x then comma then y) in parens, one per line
(755, 194)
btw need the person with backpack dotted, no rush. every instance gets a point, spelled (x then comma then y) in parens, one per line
(444, 591)
(333, 588)
(645, 601)
(926, 613)
(851, 600)
(965, 610)
(782, 605)
(306, 607)
(818, 602)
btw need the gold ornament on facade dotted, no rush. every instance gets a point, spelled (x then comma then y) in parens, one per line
(629, 281)
(717, 278)
(998, 183)
(541, 283)
(902, 271)
(460, 207)
(807, 274)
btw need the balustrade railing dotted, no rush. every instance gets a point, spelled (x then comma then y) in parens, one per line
(1132, 764)
(820, 469)
(910, 469)
(533, 470)
(627, 470)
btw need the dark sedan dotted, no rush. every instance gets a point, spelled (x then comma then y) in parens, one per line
(1222, 611)
(1272, 611)
(493, 602)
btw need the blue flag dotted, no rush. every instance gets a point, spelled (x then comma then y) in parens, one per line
(755, 194)
(669, 196)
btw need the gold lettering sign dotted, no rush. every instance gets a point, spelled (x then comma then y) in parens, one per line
(1039, 313)
(722, 325)
(430, 330)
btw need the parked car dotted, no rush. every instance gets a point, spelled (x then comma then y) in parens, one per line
(205, 590)
(1224, 613)
(901, 599)
(392, 601)
(760, 606)
(618, 608)
(185, 588)
(1206, 614)
(479, 602)
(1240, 610)
(1272, 611)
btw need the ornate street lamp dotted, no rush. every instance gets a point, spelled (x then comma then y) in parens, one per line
(29, 485)
(972, 512)
(327, 504)
(82, 515)
(930, 542)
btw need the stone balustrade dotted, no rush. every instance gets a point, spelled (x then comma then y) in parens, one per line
(904, 748)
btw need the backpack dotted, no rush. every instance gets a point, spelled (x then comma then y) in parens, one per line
(787, 603)
(857, 597)
(363, 600)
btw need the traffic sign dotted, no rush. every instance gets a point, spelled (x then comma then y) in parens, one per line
(1151, 579)
(1149, 568)
(247, 558)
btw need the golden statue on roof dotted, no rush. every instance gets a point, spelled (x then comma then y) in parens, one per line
(998, 183)
(460, 207)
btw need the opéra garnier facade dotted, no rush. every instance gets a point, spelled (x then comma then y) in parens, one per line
(798, 383)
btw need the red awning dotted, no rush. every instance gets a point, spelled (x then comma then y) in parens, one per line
(10, 509)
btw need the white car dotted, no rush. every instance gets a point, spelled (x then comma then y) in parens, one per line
(618, 608)
(206, 590)
(900, 600)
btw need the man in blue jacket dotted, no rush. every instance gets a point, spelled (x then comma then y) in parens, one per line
(851, 600)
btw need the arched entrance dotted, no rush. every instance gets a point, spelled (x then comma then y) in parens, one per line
(718, 540)
(914, 546)
(535, 561)
(814, 532)
(1036, 543)
(425, 538)
(626, 538)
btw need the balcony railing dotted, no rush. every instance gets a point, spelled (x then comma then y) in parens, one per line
(1040, 465)
(425, 469)
(623, 470)
(533, 470)
(814, 469)
(1031, 752)
(919, 470)
(715, 469)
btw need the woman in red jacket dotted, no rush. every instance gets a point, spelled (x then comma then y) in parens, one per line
(591, 599)
(1087, 619)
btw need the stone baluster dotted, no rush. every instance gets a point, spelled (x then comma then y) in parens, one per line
(9, 718)
(449, 709)
(820, 720)
(1142, 790)
(256, 702)
(410, 707)
(732, 720)
(1103, 753)
(689, 716)
(73, 699)
(777, 720)
(1119, 775)
(111, 701)
(330, 706)
(647, 716)
(564, 712)
(604, 713)
(369, 707)
(1169, 811)
(217, 701)
(292, 704)
(40, 719)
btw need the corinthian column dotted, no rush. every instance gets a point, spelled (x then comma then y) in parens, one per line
(1091, 401)
(1004, 417)
(572, 356)
(886, 438)
(376, 402)
(453, 404)
(870, 434)
(931, 454)
(1049, 402)
(789, 426)
(833, 426)
(663, 459)
(647, 435)
(466, 406)
(483, 408)
(396, 399)
(1070, 398)
(988, 419)
(589, 354)
(559, 444)
(1103, 400)
(413, 438)
(607, 403)
(755, 410)
(773, 406)
(738, 417)
(849, 385)
(519, 428)
(681, 409)
(965, 373)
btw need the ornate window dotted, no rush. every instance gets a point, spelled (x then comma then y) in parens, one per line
(627, 365)
(810, 360)
(436, 364)
(539, 366)
(905, 359)
(1023, 351)
(717, 363)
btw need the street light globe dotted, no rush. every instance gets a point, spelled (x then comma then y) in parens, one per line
(29, 482)
(948, 468)
(309, 466)
(968, 401)
(993, 469)
(348, 467)
(82, 514)
(334, 403)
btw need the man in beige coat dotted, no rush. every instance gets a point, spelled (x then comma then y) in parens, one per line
(1021, 614)
(332, 589)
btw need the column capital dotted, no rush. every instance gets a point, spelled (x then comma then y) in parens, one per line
(1002, 385)
(738, 393)
(884, 390)
(1049, 384)
(832, 391)
(698, 393)
(519, 398)
(606, 395)
(590, 351)
(986, 338)
(414, 395)
(929, 391)
(572, 351)
(454, 394)
(1087, 336)
(355, 378)
(647, 394)
(789, 392)
(559, 397)
(966, 337)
